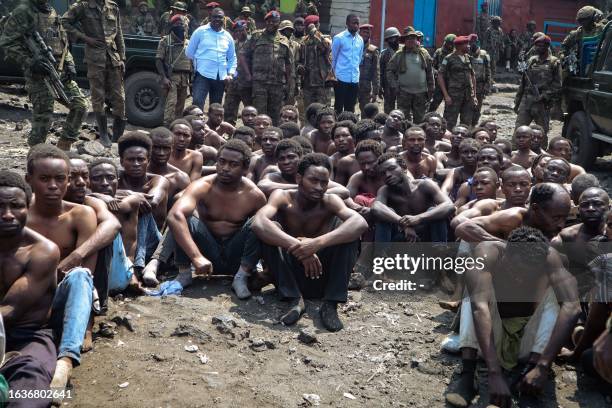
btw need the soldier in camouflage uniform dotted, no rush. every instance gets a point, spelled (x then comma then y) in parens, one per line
(287, 30)
(304, 8)
(438, 57)
(587, 34)
(314, 64)
(481, 63)
(245, 15)
(483, 21)
(239, 89)
(533, 102)
(39, 16)
(143, 23)
(493, 42)
(267, 61)
(369, 74)
(526, 37)
(174, 68)
(178, 8)
(98, 25)
(512, 48)
(388, 93)
(227, 22)
(458, 84)
(410, 72)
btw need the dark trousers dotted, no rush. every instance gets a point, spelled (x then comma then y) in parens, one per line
(345, 96)
(291, 282)
(227, 255)
(202, 86)
(33, 368)
(101, 274)
(434, 231)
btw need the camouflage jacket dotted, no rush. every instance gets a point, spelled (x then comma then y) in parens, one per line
(385, 57)
(574, 38)
(481, 63)
(545, 75)
(368, 69)
(493, 41)
(22, 22)
(99, 20)
(397, 65)
(525, 40)
(269, 58)
(144, 25)
(239, 81)
(457, 72)
(315, 59)
(439, 56)
(483, 22)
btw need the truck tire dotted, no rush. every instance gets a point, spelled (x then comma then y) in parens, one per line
(579, 131)
(144, 101)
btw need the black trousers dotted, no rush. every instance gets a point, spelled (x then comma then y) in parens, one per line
(345, 96)
(291, 282)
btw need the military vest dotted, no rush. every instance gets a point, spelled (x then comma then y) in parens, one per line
(541, 73)
(367, 66)
(480, 64)
(269, 56)
(50, 29)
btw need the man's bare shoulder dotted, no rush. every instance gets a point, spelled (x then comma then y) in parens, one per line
(487, 204)
(95, 203)
(193, 154)
(569, 234)
(347, 160)
(40, 247)
(78, 211)
(356, 178)
(426, 185)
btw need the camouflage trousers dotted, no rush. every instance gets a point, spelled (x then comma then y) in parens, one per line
(365, 94)
(390, 97)
(529, 110)
(176, 96)
(414, 106)
(314, 94)
(463, 105)
(106, 83)
(437, 99)
(480, 96)
(494, 60)
(268, 99)
(42, 100)
(233, 96)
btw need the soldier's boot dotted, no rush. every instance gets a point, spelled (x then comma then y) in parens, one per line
(64, 144)
(118, 128)
(103, 129)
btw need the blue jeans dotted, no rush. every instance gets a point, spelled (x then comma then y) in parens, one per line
(202, 86)
(70, 312)
(228, 255)
(147, 238)
(120, 269)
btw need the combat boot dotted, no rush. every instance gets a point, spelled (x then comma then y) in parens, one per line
(118, 128)
(103, 129)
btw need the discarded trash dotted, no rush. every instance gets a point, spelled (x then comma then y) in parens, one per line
(192, 348)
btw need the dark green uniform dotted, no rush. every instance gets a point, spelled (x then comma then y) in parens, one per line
(437, 59)
(493, 43)
(171, 52)
(315, 61)
(22, 22)
(270, 61)
(389, 93)
(239, 90)
(545, 75)
(144, 24)
(481, 63)
(369, 75)
(458, 74)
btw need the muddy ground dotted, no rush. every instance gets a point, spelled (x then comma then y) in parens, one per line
(388, 355)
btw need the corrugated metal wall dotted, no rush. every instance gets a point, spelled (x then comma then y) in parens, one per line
(339, 9)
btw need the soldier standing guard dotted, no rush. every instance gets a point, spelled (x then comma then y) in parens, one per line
(314, 63)
(540, 86)
(245, 15)
(438, 57)
(526, 37)
(387, 92)
(178, 8)
(38, 16)
(458, 84)
(239, 89)
(174, 68)
(143, 23)
(493, 41)
(287, 30)
(481, 63)
(369, 74)
(483, 21)
(97, 24)
(267, 61)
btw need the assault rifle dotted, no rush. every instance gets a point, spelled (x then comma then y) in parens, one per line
(39, 50)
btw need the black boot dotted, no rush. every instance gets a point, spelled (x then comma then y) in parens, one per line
(118, 128)
(103, 129)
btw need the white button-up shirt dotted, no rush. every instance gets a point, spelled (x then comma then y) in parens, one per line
(347, 52)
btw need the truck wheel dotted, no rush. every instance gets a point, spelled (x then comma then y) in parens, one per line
(579, 131)
(144, 103)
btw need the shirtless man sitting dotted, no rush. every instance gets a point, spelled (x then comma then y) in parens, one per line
(363, 185)
(269, 139)
(368, 129)
(311, 118)
(512, 313)
(420, 164)
(488, 155)
(246, 134)
(220, 241)
(468, 152)
(309, 254)
(432, 125)
(557, 170)
(216, 123)
(248, 115)
(344, 164)
(482, 135)
(408, 210)
(288, 155)
(162, 140)
(523, 156)
(203, 139)
(107, 230)
(321, 137)
(187, 160)
(262, 122)
(392, 131)
(289, 113)
(539, 142)
(28, 262)
(69, 226)
(492, 127)
(452, 159)
(562, 147)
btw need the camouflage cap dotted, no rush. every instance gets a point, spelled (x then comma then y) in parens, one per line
(586, 12)
(285, 24)
(246, 9)
(450, 38)
(180, 6)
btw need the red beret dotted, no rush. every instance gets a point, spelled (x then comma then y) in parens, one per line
(212, 4)
(473, 37)
(312, 19)
(366, 26)
(461, 40)
(542, 38)
(272, 14)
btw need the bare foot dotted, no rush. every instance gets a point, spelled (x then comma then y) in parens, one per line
(149, 274)
(449, 305)
(134, 287)
(88, 340)
(63, 369)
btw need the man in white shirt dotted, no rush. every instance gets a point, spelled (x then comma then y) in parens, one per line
(212, 51)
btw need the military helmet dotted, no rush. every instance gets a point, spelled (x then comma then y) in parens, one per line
(391, 32)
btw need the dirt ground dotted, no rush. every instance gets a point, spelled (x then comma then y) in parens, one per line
(388, 355)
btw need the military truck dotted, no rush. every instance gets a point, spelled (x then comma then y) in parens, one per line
(143, 93)
(587, 118)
